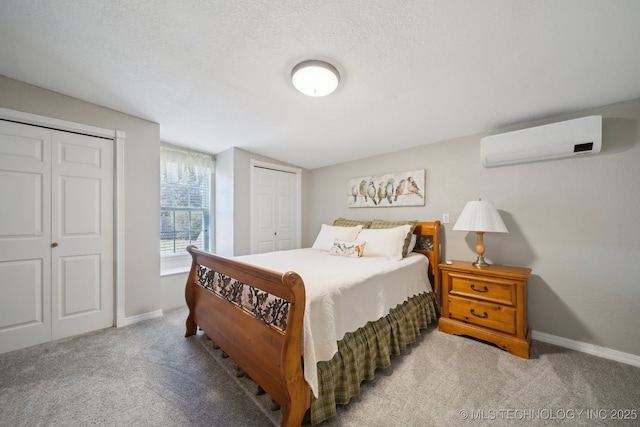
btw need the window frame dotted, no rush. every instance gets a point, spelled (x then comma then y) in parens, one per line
(180, 262)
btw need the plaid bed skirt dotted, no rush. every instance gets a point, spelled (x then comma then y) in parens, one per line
(370, 347)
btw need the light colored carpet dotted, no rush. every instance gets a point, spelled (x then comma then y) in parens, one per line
(149, 374)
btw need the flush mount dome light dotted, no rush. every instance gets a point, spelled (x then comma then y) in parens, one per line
(315, 78)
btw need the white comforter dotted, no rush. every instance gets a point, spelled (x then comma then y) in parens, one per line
(343, 294)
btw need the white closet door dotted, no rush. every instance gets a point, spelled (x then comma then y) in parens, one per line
(56, 234)
(25, 236)
(82, 232)
(275, 212)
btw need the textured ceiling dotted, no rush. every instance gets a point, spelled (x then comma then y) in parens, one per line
(215, 74)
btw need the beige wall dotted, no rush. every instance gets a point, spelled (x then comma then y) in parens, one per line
(572, 221)
(142, 175)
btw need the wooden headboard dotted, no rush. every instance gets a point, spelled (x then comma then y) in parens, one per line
(428, 244)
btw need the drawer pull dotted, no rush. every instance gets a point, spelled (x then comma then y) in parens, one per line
(482, 316)
(484, 288)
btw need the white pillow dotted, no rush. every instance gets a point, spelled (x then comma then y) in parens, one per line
(384, 242)
(329, 234)
(412, 243)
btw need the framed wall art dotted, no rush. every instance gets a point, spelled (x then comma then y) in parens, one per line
(394, 189)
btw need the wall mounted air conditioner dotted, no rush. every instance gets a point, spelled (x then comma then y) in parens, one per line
(563, 139)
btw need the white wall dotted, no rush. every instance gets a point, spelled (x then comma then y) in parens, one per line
(233, 200)
(573, 221)
(142, 182)
(224, 203)
(172, 291)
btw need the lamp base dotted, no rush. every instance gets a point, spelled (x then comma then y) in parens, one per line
(480, 262)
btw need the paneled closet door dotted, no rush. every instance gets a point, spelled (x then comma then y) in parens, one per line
(56, 234)
(25, 236)
(274, 206)
(82, 234)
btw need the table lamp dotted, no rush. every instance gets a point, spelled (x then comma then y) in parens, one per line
(480, 216)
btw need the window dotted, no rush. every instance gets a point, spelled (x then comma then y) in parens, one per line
(185, 208)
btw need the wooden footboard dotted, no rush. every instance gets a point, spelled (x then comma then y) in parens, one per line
(264, 338)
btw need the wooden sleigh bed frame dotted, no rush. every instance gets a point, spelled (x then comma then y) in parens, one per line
(269, 352)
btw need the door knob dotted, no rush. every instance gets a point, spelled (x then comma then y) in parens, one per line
(54, 244)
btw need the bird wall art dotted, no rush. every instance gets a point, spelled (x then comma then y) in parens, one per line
(388, 190)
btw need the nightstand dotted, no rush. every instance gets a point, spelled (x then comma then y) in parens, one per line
(488, 303)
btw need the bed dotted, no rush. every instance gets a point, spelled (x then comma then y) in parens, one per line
(266, 318)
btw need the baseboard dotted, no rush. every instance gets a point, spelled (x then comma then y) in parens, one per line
(606, 353)
(124, 321)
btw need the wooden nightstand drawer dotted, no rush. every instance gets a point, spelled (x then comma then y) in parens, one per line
(488, 303)
(488, 289)
(494, 316)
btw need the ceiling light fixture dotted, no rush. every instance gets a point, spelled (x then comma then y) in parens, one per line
(315, 78)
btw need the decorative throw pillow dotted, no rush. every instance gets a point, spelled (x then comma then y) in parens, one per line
(348, 249)
(328, 234)
(342, 222)
(379, 223)
(384, 242)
